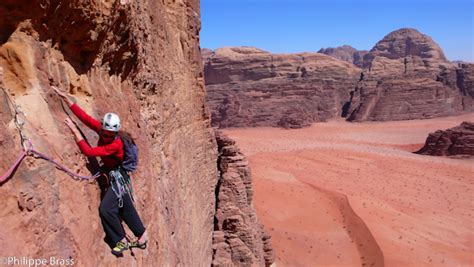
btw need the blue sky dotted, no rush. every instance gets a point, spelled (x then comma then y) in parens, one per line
(285, 26)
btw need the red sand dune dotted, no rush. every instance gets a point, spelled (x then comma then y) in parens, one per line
(352, 194)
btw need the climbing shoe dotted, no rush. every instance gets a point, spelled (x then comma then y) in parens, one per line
(119, 248)
(138, 244)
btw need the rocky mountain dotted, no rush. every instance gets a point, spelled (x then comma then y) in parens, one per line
(251, 87)
(139, 59)
(405, 76)
(407, 42)
(408, 77)
(346, 53)
(458, 140)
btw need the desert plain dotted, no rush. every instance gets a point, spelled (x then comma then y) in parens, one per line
(354, 194)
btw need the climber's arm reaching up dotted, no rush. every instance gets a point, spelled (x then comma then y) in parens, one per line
(81, 114)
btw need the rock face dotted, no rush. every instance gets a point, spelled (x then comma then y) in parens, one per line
(465, 80)
(250, 87)
(139, 59)
(346, 53)
(455, 141)
(405, 76)
(238, 238)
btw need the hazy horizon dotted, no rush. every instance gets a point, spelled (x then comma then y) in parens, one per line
(283, 26)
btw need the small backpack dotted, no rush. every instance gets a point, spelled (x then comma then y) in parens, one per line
(130, 156)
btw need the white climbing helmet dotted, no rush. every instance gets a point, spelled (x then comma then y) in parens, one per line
(111, 122)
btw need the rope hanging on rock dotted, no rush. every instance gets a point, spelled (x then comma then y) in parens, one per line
(29, 151)
(32, 152)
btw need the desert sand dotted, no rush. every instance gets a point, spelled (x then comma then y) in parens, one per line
(352, 194)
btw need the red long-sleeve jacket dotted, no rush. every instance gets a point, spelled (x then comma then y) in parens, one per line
(111, 153)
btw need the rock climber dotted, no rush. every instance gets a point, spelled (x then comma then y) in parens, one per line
(117, 202)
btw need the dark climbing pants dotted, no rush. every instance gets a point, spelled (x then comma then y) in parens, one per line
(112, 216)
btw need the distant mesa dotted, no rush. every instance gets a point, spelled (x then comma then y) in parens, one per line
(460, 62)
(404, 76)
(251, 87)
(455, 141)
(206, 53)
(346, 53)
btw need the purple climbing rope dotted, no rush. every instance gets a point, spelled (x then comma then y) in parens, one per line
(30, 151)
(13, 167)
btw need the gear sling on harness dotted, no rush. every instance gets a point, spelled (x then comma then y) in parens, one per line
(120, 185)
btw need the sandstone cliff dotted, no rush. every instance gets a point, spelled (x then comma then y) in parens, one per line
(405, 76)
(139, 59)
(238, 236)
(455, 141)
(251, 87)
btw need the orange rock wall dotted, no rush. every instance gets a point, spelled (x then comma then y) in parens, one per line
(140, 59)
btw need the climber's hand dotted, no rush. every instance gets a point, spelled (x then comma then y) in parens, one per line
(75, 131)
(70, 124)
(58, 92)
(62, 95)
